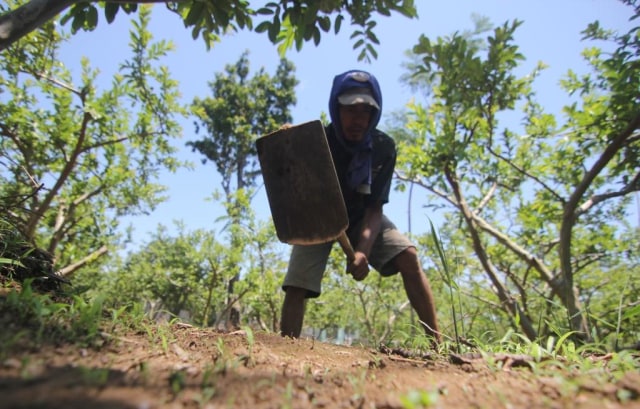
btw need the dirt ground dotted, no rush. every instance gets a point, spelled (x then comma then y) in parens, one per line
(196, 368)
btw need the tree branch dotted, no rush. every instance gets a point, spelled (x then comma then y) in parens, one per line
(418, 182)
(55, 81)
(632, 186)
(510, 305)
(17, 23)
(525, 173)
(26, 18)
(72, 268)
(104, 143)
(486, 197)
(570, 215)
(390, 320)
(38, 213)
(64, 215)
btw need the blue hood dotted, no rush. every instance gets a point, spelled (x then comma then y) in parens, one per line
(354, 79)
(359, 173)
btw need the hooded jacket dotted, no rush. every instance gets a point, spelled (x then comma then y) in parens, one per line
(364, 169)
(359, 174)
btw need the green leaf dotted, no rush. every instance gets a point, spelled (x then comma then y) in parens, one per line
(110, 11)
(65, 18)
(4, 260)
(195, 14)
(92, 18)
(195, 32)
(274, 29)
(78, 21)
(262, 27)
(325, 23)
(632, 312)
(338, 23)
(358, 44)
(265, 11)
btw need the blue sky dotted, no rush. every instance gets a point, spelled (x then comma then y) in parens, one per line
(550, 33)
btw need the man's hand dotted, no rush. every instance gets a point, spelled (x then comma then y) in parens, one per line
(359, 267)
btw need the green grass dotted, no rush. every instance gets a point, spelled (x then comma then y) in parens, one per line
(32, 319)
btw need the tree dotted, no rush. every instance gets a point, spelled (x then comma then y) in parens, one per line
(240, 110)
(264, 267)
(185, 276)
(606, 133)
(549, 200)
(74, 158)
(286, 22)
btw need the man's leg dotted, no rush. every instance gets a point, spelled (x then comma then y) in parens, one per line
(418, 291)
(304, 276)
(292, 312)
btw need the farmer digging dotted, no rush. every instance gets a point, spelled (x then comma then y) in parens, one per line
(364, 160)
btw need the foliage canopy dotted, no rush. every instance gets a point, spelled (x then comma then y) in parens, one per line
(543, 210)
(287, 23)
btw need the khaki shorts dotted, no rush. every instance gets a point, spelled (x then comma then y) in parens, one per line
(308, 263)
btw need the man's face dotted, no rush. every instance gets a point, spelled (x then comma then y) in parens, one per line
(354, 120)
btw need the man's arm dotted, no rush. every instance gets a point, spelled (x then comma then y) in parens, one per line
(359, 268)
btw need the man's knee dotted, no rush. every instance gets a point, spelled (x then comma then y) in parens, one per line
(294, 295)
(407, 262)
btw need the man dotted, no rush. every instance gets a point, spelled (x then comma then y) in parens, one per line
(364, 158)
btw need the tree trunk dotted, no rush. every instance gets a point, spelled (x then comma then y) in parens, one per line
(570, 215)
(508, 302)
(17, 23)
(559, 285)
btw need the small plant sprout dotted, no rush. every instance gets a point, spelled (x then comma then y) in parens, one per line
(206, 395)
(449, 281)
(358, 383)
(94, 376)
(249, 360)
(287, 402)
(419, 399)
(222, 360)
(177, 381)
